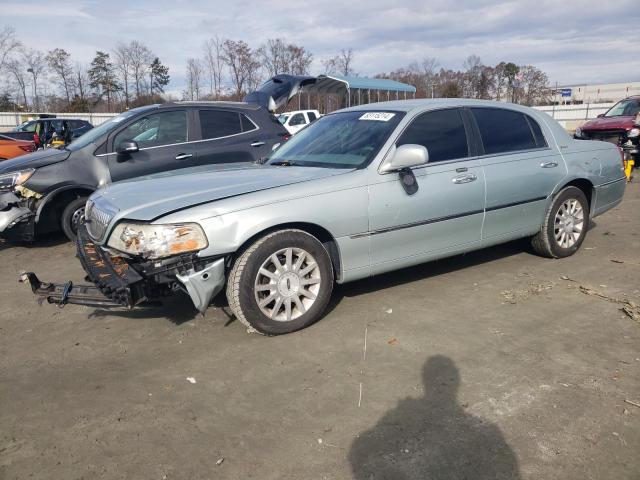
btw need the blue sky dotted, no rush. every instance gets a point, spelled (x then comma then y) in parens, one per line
(587, 41)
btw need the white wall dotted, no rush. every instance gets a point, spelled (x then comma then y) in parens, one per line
(572, 116)
(8, 120)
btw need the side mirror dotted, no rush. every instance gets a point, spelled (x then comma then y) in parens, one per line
(406, 156)
(600, 115)
(127, 146)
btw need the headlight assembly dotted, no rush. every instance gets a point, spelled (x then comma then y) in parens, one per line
(157, 241)
(578, 133)
(14, 179)
(634, 132)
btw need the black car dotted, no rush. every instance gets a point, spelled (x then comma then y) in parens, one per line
(46, 191)
(41, 130)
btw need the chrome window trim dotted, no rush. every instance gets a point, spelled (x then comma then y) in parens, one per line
(192, 141)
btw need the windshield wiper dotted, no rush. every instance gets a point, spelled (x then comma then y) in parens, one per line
(283, 163)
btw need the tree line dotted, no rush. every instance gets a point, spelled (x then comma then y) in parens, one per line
(131, 75)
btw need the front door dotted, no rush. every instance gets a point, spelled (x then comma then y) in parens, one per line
(447, 210)
(163, 142)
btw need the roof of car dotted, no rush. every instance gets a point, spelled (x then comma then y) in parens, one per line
(203, 103)
(425, 103)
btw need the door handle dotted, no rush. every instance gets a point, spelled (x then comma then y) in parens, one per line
(466, 178)
(257, 144)
(549, 164)
(183, 156)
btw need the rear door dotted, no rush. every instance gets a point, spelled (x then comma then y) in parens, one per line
(227, 136)
(163, 139)
(521, 167)
(446, 211)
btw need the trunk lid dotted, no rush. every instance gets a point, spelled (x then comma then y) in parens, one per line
(277, 91)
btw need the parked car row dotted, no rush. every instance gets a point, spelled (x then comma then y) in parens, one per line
(359, 192)
(47, 131)
(47, 190)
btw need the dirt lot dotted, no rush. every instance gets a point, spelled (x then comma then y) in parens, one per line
(491, 365)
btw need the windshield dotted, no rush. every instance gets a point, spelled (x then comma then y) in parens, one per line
(283, 118)
(28, 126)
(95, 133)
(339, 140)
(625, 108)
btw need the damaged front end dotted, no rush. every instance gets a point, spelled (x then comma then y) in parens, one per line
(17, 214)
(120, 281)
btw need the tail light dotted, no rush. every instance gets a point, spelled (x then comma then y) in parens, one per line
(285, 136)
(28, 148)
(36, 139)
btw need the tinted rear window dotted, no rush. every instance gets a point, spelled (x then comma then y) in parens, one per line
(247, 125)
(503, 130)
(219, 123)
(442, 132)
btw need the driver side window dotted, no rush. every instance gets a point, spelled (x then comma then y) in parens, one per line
(157, 129)
(442, 132)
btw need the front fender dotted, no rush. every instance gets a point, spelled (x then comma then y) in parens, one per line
(49, 197)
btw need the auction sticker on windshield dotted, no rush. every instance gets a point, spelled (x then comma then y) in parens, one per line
(379, 116)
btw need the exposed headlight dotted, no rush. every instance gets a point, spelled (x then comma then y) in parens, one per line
(157, 241)
(13, 179)
(578, 133)
(634, 132)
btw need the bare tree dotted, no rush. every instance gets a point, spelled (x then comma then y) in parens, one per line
(242, 62)
(59, 61)
(81, 81)
(340, 64)
(36, 65)
(194, 78)
(273, 56)
(140, 60)
(533, 85)
(214, 64)
(18, 72)
(8, 43)
(123, 67)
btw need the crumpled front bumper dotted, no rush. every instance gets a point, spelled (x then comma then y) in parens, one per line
(16, 220)
(116, 283)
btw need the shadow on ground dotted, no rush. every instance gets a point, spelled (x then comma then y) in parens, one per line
(432, 437)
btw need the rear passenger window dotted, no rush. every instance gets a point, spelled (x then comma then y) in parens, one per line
(312, 116)
(537, 133)
(218, 123)
(504, 130)
(442, 132)
(247, 125)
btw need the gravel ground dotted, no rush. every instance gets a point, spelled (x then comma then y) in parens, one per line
(496, 364)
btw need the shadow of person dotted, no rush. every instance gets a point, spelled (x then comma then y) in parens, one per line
(432, 437)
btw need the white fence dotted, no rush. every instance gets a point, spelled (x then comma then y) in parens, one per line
(572, 116)
(8, 120)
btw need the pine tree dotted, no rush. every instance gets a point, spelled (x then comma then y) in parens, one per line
(159, 76)
(102, 77)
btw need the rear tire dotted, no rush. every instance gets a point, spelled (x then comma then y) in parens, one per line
(71, 216)
(281, 283)
(565, 226)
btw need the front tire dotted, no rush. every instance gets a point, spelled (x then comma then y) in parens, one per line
(281, 283)
(565, 225)
(71, 216)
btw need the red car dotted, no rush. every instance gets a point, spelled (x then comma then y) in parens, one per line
(11, 147)
(619, 125)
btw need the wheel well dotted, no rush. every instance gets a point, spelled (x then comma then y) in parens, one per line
(586, 186)
(322, 234)
(49, 218)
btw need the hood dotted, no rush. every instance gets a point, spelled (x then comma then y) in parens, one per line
(148, 198)
(610, 123)
(36, 159)
(277, 91)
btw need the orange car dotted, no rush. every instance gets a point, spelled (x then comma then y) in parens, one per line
(11, 147)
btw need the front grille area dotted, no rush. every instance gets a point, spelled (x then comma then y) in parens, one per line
(97, 220)
(612, 136)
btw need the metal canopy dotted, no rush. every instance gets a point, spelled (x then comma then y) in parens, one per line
(339, 84)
